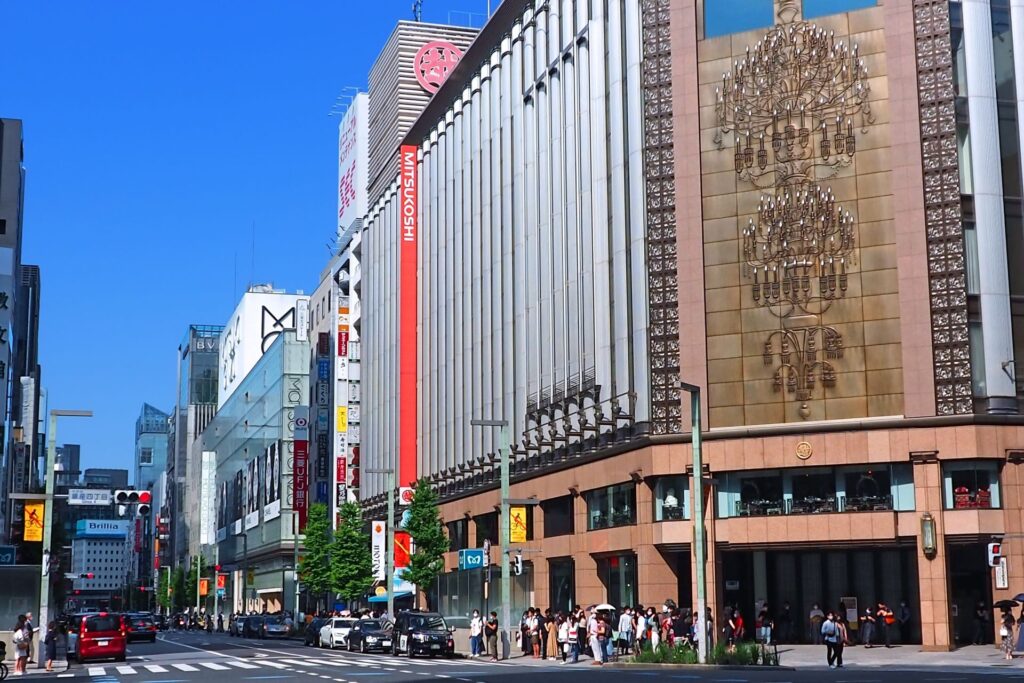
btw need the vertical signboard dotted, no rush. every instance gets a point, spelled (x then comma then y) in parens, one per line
(353, 152)
(517, 524)
(33, 522)
(300, 466)
(377, 549)
(408, 236)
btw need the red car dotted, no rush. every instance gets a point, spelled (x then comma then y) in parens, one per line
(102, 636)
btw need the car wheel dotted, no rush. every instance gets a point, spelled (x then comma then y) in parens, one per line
(362, 647)
(348, 644)
(410, 655)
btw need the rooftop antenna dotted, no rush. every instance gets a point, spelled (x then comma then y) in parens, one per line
(343, 101)
(417, 10)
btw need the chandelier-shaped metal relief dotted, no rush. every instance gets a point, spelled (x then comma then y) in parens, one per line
(791, 110)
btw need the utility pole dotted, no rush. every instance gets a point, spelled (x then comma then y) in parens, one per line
(504, 449)
(699, 551)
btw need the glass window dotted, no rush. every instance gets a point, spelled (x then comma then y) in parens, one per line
(458, 534)
(558, 516)
(672, 498)
(611, 506)
(971, 484)
(821, 8)
(1002, 50)
(145, 456)
(956, 36)
(722, 17)
(618, 574)
(561, 584)
(867, 489)
(486, 528)
(760, 495)
(812, 491)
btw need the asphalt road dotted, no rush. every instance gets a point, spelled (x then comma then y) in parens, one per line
(188, 657)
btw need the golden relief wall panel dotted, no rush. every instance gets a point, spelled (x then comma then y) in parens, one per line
(799, 248)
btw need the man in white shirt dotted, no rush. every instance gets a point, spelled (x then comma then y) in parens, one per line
(625, 631)
(593, 631)
(476, 631)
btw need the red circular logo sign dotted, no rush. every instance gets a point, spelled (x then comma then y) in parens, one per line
(434, 62)
(405, 495)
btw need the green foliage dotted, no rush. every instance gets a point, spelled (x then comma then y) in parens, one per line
(745, 654)
(315, 566)
(352, 564)
(427, 530)
(162, 584)
(178, 596)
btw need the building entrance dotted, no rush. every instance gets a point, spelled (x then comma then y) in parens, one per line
(969, 585)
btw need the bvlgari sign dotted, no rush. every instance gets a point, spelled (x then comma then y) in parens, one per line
(434, 62)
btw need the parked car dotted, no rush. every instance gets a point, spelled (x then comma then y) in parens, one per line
(311, 634)
(102, 636)
(140, 627)
(422, 633)
(253, 627)
(334, 632)
(276, 627)
(370, 634)
(237, 627)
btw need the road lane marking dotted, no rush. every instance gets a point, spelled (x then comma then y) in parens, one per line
(264, 678)
(184, 667)
(276, 665)
(126, 670)
(65, 675)
(240, 664)
(214, 666)
(97, 671)
(155, 668)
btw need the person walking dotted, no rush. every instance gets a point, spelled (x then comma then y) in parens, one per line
(903, 619)
(831, 634)
(572, 640)
(31, 630)
(784, 624)
(20, 646)
(815, 617)
(867, 628)
(50, 643)
(1006, 633)
(476, 633)
(594, 629)
(491, 633)
(885, 620)
(524, 633)
(639, 630)
(764, 625)
(981, 619)
(625, 641)
(563, 636)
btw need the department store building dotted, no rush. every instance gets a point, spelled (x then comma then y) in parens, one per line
(810, 209)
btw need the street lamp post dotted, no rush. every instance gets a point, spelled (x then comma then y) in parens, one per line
(51, 464)
(504, 448)
(390, 550)
(245, 568)
(699, 552)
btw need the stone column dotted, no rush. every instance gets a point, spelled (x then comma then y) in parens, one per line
(933, 576)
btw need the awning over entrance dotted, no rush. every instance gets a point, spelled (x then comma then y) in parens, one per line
(384, 598)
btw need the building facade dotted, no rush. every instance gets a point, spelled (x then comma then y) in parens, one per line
(100, 547)
(198, 362)
(151, 434)
(807, 209)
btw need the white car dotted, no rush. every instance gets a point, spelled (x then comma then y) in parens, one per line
(335, 632)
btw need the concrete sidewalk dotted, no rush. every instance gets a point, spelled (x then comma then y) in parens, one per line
(971, 657)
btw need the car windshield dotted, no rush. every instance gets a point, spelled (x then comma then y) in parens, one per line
(275, 620)
(369, 624)
(429, 622)
(107, 622)
(142, 621)
(342, 623)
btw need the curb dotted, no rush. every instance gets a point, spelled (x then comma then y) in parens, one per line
(696, 667)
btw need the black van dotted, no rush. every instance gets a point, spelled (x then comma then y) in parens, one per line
(422, 633)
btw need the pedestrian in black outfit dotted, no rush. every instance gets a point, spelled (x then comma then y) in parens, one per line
(784, 624)
(831, 633)
(981, 627)
(884, 618)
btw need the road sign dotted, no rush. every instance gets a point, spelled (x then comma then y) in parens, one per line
(221, 592)
(7, 554)
(405, 495)
(471, 558)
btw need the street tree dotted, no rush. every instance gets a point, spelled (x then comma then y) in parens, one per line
(178, 593)
(162, 585)
(315, 566)
(352, 564)
(427, 530)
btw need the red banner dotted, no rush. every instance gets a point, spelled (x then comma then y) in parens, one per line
(340, 474)
(403, 549)
(408, 197)
(300, 481)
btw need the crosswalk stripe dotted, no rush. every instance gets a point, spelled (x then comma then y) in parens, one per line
(97, 671)
(240, 665)
(65, 675)
(300, 662)
(214, 665)
(334, 661)
(270, 662)
(184, 667)
(155, 668)
(126, 670)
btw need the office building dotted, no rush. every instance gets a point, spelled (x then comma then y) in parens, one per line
(96, 477)
(99, 547)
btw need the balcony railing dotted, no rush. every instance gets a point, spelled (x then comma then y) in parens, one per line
(812, 505)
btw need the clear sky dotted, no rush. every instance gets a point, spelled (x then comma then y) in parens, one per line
(157, 134)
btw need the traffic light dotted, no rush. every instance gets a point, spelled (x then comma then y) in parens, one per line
(517, 564)
(216, 568)
(995, 554)
(88, 575)
(141, 499)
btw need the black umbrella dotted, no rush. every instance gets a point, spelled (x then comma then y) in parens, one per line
(1005, 604)
(1019, 597)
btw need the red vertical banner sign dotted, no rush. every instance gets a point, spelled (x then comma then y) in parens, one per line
(300, 480)
(408, 235)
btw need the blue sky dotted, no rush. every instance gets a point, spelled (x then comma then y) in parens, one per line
(157, 135)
